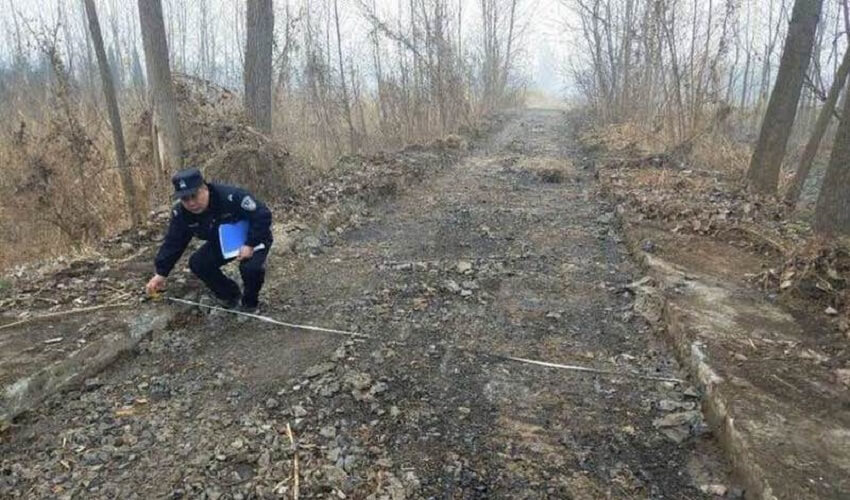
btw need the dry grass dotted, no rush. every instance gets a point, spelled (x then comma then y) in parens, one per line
(539, 99)
(548, 169)
(700, 192)
(692, 186)
(624, 140)
(709, 149)
(718, 153)
(58, 189)
(60, 192)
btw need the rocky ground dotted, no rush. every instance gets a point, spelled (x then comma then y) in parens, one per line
(510, 251)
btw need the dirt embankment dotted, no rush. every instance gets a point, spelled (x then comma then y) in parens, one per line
(709, 209)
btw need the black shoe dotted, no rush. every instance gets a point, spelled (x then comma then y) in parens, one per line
(229, 303)
(249, 309)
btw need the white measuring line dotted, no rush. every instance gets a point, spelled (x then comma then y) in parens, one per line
(574, 368)
(272, 320)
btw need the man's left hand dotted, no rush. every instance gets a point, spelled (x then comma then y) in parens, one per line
(245, 253)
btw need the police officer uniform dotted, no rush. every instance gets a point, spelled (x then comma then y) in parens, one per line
(227, 204)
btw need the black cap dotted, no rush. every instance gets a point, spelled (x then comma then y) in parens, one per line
(186, 182)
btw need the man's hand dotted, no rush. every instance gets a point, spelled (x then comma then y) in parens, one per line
(245, 252)
(156, 284)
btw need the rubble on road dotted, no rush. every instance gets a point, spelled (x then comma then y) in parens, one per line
(483, 260)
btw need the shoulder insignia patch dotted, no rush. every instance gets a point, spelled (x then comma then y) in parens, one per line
(230, 197)
(248, 204)
(174, 212)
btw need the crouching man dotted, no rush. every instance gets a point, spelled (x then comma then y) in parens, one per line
(202, 209)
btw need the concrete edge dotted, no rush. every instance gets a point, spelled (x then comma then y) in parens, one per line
(28, 392)
(693, 357)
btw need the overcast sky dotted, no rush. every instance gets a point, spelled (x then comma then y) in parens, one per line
(541, 56)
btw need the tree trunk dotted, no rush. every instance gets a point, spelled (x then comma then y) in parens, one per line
(763, 173)
(89, 64)
(832, 212)
(507, 65)
(138, 75)
(166, 127)
(669, 28)
(746, 84)
(730, 84)
(825, 116)
(259, 31)
(114, 115)
(352, 136)
(19, 57)
(117, 67)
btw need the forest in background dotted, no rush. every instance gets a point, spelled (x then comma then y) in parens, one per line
(288, 87)
(738, 85)
(727, 124)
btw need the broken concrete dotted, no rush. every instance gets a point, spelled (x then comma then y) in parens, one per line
(769, 393)
(27, 390)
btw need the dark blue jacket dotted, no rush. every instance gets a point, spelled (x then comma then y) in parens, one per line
(227, 204)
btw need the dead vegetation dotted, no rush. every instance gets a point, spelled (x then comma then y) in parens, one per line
(549, 170)
(816, 272)
(56, 187)
(702, 192)
(61, 170)
(60, 190)
(312, 213)
(408, 75)
(218, 139)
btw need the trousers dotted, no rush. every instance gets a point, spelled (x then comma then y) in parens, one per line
(206, 264)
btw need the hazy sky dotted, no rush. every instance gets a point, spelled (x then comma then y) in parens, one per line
(547, 45)
(542, 51)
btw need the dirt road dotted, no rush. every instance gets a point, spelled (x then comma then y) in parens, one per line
(509, 252)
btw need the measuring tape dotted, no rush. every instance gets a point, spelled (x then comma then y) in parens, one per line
(575, 368)
(271, 320)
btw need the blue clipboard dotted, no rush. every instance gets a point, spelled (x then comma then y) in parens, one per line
(231, 237)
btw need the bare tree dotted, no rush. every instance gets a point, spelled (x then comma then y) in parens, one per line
(774, 32)
(168, 149)
(832, 211)
(138, 76)
(19, 44)
(509, 49)
(64, 20)
(346, 104)
(317, 76)
(766, 161)
(89, 62)
(114, 114)
(792, 196)
(283, 61)
(259, 39)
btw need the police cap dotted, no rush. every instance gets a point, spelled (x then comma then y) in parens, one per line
(186, 182)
